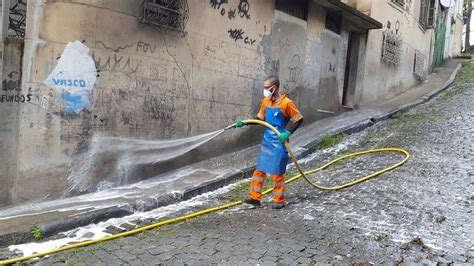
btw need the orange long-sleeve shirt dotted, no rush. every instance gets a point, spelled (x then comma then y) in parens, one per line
(287, 106)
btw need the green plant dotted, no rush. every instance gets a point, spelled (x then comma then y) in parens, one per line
(176, 196)
(329, 141)
(37, 232)
(463, 81)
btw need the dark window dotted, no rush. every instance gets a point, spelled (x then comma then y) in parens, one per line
(399, 2)
(169, 14)
(333, 22)
(17, 19)
(295, 8)
(427, 13)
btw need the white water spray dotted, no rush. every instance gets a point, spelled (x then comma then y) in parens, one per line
(110, 161)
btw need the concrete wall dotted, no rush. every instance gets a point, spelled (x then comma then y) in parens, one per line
(10, 100)
(363, 6)
(91, 67)
(384, 80)
(454, 25)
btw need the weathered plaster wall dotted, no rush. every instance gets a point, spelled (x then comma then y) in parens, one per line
(363, 6)
(384, 80)
(150, 83)
(458, 31)
(312, 62)
(458, 36)
(10, 100)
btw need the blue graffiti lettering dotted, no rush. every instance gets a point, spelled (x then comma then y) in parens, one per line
(70, 82)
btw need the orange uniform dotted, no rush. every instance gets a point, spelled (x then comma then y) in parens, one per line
(287, 106)
(290, 112)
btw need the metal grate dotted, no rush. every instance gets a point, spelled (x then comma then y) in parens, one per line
(169, 14)
(17, 19)
(295, 8)
(391, 48)
(427, 13)
(419, 64)
(399, 2)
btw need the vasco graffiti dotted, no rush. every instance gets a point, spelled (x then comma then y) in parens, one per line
(69, 82)
(73, 77)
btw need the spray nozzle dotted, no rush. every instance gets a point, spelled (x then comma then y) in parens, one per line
(231, 126)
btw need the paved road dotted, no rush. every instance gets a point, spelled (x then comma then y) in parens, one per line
(420, 212)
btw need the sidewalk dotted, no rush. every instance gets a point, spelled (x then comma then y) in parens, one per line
(66, 214)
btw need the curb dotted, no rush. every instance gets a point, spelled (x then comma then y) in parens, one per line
(147, 204)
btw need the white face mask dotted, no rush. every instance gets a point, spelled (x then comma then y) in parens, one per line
(268, 93)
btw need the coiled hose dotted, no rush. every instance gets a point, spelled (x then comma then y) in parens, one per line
(232, 204)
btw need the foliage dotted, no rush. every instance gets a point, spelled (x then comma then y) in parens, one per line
(37, 233)
(329, 141)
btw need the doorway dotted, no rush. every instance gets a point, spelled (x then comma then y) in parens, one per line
(350, 74)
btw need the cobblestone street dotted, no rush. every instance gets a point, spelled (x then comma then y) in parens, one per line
(420, 212)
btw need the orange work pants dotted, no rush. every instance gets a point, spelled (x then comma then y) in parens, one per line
(258, 180)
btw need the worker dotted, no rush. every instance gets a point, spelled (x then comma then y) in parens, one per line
(281, 112)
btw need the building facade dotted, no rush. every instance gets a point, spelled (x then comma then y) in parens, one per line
(157, 69)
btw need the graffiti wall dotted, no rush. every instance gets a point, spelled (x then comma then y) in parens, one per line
(108, 67)
(12, 98)
(122, 68)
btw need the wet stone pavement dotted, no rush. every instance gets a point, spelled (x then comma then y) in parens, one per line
(419, 213)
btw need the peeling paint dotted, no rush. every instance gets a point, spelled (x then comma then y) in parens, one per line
(74, 77)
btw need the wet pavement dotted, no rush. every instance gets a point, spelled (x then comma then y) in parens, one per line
(60, 215)
(419, 213)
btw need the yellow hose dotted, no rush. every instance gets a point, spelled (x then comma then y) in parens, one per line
(225, 206)
(303, 174)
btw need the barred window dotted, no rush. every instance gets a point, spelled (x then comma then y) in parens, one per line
(169, 14)
(295, 8)
(419, 64)
(427, 13)
(391, 48)
(399, 2)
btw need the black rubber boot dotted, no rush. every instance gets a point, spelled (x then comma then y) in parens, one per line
(253, 202)
(278, 205)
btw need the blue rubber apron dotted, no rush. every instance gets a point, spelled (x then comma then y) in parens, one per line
(273, 155)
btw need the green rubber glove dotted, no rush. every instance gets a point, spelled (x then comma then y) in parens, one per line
(284, 136)
(239, 123)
